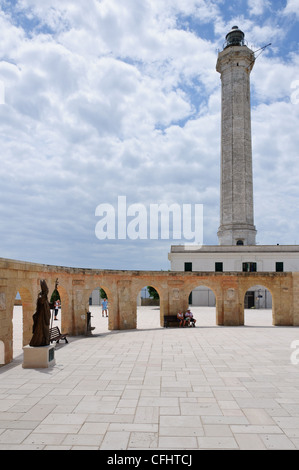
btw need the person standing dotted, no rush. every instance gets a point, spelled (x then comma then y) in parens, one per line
(56, 307)
(105, 307)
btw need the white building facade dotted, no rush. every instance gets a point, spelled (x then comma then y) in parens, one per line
(257, 258)
(235, 258)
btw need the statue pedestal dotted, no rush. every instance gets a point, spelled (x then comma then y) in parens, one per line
(38, 357)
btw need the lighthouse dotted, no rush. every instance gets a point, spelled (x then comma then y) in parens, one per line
(236, 250)
(234, 64)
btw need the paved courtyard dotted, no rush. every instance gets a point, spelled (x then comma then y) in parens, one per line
(208, 387)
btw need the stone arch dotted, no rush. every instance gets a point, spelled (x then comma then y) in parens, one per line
(250, 284)
(151, 308)
(65, 312)
(212, 286)
(91, 286)
(163, 296)
(28, 306)
(108, 287)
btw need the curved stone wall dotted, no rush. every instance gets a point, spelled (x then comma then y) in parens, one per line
(122, 287)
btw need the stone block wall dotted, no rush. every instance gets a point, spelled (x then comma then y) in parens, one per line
(122, 288)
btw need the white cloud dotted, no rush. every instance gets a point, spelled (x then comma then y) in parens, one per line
(292, 7)
(11, 36)
(257, 7)
(122, 98)
(272, 79)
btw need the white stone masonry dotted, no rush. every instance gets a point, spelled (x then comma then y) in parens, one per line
(236, 220)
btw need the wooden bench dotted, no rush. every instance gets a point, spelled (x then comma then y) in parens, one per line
(171, 320)
(56, 335)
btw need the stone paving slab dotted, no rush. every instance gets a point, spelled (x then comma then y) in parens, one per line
(152, 388)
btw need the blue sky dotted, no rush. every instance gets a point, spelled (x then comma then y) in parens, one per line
(121, 98)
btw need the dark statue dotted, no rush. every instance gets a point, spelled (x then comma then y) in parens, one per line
(41, 318)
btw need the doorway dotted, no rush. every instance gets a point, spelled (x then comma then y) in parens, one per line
(148, 308)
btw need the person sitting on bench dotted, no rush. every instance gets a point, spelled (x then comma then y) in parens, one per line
(189, 316)
(180, 317)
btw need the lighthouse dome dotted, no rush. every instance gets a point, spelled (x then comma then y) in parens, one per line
(235, 37)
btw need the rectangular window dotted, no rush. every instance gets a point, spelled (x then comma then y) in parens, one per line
(219, 267)
(188, 266)
(249, 267)
(279, 267)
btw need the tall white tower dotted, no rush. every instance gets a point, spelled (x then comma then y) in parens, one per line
(234, 64)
